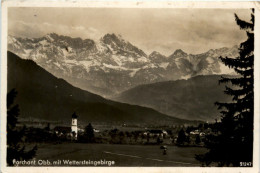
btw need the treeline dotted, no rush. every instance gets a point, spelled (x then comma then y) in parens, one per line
(112, 136)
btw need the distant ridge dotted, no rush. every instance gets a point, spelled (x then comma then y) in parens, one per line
(191, 99)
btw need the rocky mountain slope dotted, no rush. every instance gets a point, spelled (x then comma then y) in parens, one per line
(112, 64)
(42, 96)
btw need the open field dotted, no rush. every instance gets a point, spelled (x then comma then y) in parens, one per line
(122, 155)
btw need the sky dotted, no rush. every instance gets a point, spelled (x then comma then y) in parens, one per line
(163, 30)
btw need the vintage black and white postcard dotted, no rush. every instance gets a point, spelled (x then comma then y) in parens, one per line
(130, 86)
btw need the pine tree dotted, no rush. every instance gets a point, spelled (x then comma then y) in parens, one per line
(89, 130)
(197, 140)
(181, 137)
(234, 143)
(15, 147)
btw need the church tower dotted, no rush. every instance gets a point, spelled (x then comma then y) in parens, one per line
(74, 127)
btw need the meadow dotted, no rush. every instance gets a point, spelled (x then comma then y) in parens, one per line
(121, 155)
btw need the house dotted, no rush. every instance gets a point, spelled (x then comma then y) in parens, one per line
(96, 130)
(195, 132)
(62, 131)
(156, 133)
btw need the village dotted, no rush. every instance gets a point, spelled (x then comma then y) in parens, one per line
(121, 134)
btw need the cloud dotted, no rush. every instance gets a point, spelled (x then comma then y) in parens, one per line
(78, 28)
(163, 30)
(21, 28)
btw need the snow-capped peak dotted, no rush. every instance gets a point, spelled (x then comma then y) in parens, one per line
(49, 38)
(155, 53)
(179, 52)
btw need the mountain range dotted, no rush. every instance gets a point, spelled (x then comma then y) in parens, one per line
(112, 65)
(43, 96)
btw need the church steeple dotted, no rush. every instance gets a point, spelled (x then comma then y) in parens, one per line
(74, 127)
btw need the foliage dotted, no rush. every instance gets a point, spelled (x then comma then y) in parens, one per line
(89, 133)
(198, 141)
(234, 140)
(33, 134)
(121, 137)
(15, 136)
(158, 140)
(181, 137)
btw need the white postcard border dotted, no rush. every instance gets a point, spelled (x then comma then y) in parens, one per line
(127, 4)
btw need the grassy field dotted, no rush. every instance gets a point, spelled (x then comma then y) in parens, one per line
(122, 155)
